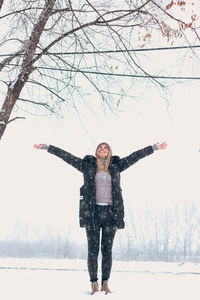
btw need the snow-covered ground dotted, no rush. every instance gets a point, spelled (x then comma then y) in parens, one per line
(61, 278)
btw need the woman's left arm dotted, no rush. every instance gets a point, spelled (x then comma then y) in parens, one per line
(128, 161)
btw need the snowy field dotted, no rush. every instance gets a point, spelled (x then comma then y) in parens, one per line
(66, 279)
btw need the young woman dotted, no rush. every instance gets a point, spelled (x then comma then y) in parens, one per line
(101, 203)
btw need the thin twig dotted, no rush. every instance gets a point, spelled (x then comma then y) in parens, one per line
(16, 118)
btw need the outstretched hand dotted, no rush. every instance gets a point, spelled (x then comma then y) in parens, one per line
(37, 146)
(41, 146)
(161, 146)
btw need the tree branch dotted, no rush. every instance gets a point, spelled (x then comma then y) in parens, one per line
(83, 73)
(95, 22)
(169, 15)
(48, 89)
(62, 37)
(7, 60)
(18, 11)
(46, 105)
(141, 69)
(16, 118)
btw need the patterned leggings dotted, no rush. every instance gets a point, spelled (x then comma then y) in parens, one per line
(102, 224)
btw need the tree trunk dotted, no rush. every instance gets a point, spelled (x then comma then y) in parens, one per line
(9, 102)
(1, 3)
(27, 68)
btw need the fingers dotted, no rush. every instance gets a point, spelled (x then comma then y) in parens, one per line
(162, 146)
(36, 146)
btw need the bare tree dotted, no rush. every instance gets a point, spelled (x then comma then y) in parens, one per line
(53, 51)
(189, 225)
(164, 235)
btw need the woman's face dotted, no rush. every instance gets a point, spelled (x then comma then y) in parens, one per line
(102, 151)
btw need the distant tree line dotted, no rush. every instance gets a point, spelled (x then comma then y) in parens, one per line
(151, 235)
(165, 235)
(47, 248)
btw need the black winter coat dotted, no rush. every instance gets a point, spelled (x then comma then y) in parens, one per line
(88, 167)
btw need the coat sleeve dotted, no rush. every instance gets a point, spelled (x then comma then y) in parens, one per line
(74, 161)
(128, 161)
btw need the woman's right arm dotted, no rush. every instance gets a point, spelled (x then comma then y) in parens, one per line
(74, 161)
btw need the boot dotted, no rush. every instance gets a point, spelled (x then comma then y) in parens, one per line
(95, 288)
(105, 287)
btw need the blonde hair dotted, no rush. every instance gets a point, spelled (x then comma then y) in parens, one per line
(107, 161)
